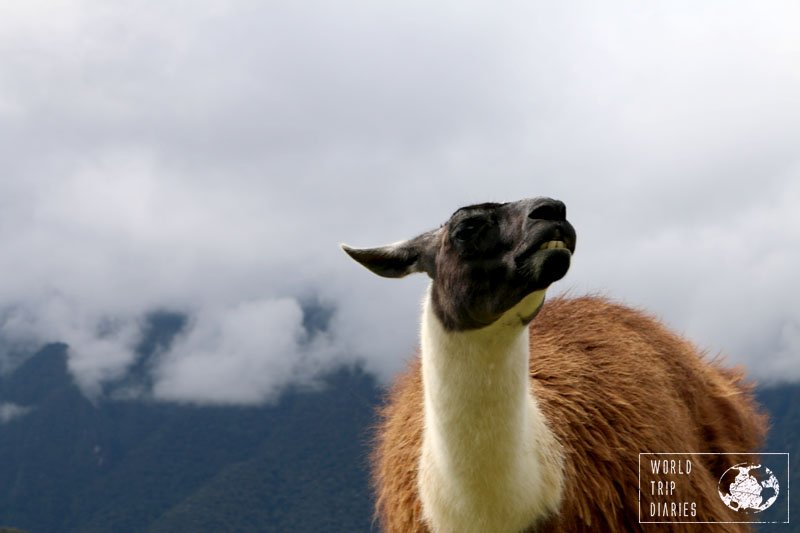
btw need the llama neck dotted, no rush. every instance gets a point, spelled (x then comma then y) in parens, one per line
(489, 462)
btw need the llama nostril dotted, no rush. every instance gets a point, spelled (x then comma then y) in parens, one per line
(549, 210)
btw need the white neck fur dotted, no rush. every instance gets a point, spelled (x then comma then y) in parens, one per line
(489, 462)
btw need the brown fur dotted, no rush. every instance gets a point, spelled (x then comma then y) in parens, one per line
(612, 382)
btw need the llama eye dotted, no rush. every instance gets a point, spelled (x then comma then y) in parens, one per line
(469, 229)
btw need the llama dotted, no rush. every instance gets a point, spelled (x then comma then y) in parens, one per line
(506, 424)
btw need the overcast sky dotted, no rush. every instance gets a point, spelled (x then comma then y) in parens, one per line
(208, 157)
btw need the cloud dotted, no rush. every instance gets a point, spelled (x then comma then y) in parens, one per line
(11, 411)
(208, 159)
(728, 283)
(244, 354)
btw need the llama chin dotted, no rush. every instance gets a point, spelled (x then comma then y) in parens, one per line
(524, 415)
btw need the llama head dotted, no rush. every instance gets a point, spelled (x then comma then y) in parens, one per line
(484, 261)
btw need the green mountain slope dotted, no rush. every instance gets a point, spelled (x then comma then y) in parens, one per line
(69, 465)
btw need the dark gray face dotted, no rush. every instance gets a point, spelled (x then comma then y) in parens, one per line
(484, 260)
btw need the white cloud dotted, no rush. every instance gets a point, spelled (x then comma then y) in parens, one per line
(209, 159)
(729, 284)
(781, 365)
(11, 411)
(244, 354)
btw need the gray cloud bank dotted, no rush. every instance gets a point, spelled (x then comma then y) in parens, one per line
(208, 157)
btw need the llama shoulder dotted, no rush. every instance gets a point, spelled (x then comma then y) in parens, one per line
(596, 339)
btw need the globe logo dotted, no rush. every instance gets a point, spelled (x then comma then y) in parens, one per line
(748, 488)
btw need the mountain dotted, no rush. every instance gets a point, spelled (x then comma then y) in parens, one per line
(71, 465)
(68, 464)
(783, 404)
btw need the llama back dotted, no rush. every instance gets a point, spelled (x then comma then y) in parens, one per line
(612, 382)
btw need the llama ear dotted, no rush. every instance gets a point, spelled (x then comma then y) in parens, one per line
(399, 259)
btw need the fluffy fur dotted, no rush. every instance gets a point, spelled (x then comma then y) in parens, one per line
(610, 382)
